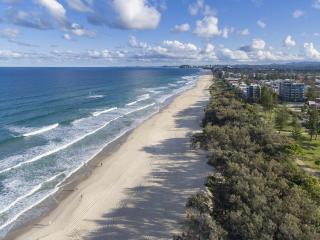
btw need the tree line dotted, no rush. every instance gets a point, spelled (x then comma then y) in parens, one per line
(254, 191)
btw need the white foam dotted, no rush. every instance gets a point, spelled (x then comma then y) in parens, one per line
(141, 108)
(98, 113)
(96, 96)
(35, 189)
(28, 208)
(58, 186)
(131, 103)
(77, 121)
(144, 97)
(48, 153)
(41, 130)
(189, 77)
(181, 81)
(139, 99)
(114, 139)
(155, 91)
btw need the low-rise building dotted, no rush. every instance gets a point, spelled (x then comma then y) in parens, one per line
(315, 104)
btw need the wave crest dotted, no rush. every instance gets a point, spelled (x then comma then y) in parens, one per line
(98, 113)
(41, 130)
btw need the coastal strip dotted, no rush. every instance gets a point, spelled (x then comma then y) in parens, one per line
(138, 190)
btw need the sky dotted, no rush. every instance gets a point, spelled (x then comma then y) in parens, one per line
(158, 32)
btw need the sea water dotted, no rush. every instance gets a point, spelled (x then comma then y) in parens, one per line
(54, 120)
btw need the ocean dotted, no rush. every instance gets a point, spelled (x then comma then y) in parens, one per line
(54, 120)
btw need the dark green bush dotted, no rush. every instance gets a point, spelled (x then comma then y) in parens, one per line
(255, 192)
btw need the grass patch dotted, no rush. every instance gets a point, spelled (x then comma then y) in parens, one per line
(310, 151)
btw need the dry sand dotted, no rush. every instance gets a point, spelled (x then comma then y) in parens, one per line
(141, 189)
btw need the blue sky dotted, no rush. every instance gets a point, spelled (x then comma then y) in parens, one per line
(157, 32)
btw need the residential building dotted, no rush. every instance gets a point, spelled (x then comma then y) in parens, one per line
(254, 92)
(290, 91)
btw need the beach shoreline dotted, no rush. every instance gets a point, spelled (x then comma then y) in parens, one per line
(77, 196)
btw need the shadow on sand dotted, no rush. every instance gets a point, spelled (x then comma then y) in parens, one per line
(155, 211)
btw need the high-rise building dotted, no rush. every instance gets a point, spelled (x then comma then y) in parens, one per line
(290, 91)
(254, 92)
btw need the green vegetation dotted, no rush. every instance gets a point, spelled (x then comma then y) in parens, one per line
(313, 123)
(296, 128)
(268, 98)
(255, 191)
(309, 151)
(307, 147)
(281, 118)
(312, 92)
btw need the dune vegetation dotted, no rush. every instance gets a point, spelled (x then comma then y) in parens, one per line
(255, 190)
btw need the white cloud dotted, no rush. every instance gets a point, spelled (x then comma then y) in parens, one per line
(207, 27)
(244, 32)
(311, 51)
(106, 54)
(209, 49)
(136, 14)
(80, 31)
(228, 54)
(135, 44)
(261, 24)
(200, 7)
(173, 52)
(258, 51)
(297, 13)
(258, 44)
(58, 12)
(10, 1)
(195, 7)
(316, 4)
(79, 5)
(9, 33)
(289, 42)
(226, 31)
(133, 41)
(100, 54)
(55, 9)
(27, 19)
(185, 27)
(179, 45)
(266, 55)
(66, 36)
(10, 54)
(12, 35)
(160, 50)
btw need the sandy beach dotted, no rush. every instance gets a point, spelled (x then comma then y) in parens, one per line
(140, 190)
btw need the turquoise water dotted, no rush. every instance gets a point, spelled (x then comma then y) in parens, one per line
(54, 120)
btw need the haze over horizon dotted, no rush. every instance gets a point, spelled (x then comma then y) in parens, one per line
(157, 32)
